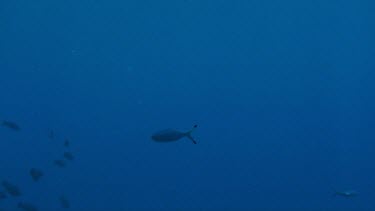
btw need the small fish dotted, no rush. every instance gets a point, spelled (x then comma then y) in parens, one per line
(346, 193)
(66, 143)
(27, 206)
(68, 156)
(64, 202)
(60, 163)
(170, 135)
(10, 188)
(36, 174)
(2, 195)
(11, 125)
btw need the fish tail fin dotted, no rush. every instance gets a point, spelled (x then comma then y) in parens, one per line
(188, 134)
(191, 138)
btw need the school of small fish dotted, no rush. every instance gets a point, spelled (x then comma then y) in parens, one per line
(36, 174)
(11, 190)
(8, 189)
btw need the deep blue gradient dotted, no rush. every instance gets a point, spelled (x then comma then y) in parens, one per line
(282, 92)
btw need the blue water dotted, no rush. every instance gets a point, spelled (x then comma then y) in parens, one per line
(282, 93)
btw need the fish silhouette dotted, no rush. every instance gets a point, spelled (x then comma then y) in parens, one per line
(346, 193)
(11, 189)
(36, 174)
(66, 143)
(170, 135)
(11, 125)
(68, 156)
(60, 163)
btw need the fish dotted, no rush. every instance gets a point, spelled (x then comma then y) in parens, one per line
(36, 174)
(170, 135)
(27, 206)
(60, 163)
(11, 125)
(10, 188)
(64, 202)
(66, 143)
(68, 156)
(346, 193)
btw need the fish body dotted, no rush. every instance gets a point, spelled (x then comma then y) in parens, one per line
(60, 163)
(36, 174)
(170, 135)
(11, 125)
(11, 189)
(347, 193)
(66, 143)
(68, 156)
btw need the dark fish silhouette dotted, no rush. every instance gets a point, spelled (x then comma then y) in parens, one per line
(27, 206)
(170, 135)
(64, 202)
(10, 188)
(11, 125)
(2, 195)
(66, 143)
(60, 163)
(68, 156)
(36, 174)
(346, 193)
